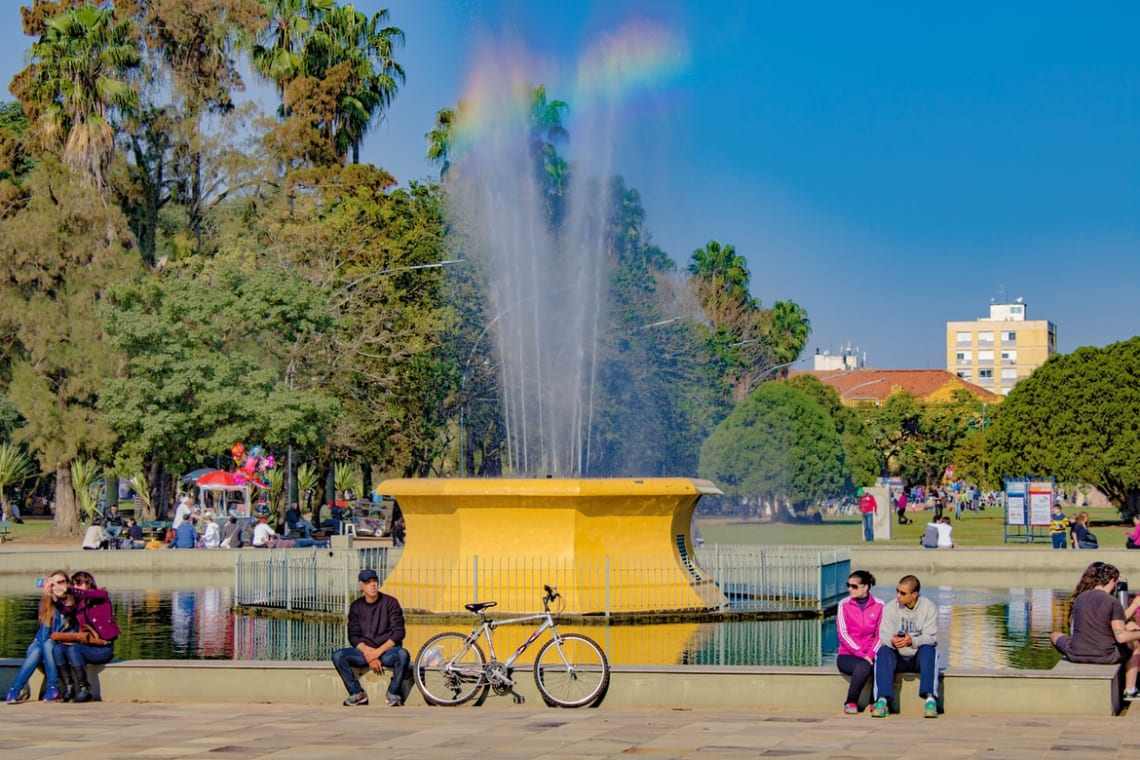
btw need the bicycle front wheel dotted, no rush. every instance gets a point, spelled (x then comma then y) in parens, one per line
(449, 669)
(571, 671)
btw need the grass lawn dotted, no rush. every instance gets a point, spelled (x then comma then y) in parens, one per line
(974, 529)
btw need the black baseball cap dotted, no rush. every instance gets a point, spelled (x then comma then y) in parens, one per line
(368, 575)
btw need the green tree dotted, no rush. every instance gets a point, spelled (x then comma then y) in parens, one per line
(79, 76)
(347, 37)
(15, 468)
(277, 51)
(863, 459)
(441, 139)
(207, 358)
(789, 330)
(778, 446)
(59, 255)
(1074, 419)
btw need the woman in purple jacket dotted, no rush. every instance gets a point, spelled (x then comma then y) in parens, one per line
(90, 607)
(857, 622)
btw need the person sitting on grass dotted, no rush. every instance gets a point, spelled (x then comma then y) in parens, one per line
(1098, 631)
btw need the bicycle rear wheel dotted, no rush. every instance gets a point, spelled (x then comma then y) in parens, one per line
(450, 670)
(571, 671)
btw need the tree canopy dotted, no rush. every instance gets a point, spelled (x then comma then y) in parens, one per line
(1076, 418)
(778, 446)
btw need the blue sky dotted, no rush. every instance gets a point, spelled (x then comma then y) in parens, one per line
(888, 166)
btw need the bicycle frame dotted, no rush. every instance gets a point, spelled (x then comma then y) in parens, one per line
(487, 627)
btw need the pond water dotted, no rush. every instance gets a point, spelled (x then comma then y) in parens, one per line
(990, 628)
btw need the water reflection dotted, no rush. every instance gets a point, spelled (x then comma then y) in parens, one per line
(988, 628)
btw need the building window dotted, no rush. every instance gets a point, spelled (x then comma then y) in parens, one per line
(986, 357)
(1009, 337)
(966, 375)
(986, 338)
(986, 375)
(1009, 373)
(964, 357)
(963, 338)
(1009, 357)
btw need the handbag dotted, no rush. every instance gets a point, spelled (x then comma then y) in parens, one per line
(86, 635)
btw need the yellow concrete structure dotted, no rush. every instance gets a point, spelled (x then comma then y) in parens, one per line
(997, 352)
(616, 546)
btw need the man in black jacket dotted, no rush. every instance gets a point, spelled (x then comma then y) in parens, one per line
(376, 636)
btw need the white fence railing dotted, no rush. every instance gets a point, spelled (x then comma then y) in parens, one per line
(775, 579)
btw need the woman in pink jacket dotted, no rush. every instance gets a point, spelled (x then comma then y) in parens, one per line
(857, 622)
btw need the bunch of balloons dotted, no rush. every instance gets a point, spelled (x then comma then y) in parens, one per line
(251, 465)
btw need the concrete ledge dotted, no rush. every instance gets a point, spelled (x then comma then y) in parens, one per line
(1071, 690)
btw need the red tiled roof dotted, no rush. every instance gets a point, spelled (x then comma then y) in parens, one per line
(875, 385)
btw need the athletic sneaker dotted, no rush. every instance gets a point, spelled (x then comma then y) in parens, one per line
(1132, 694)
(851, 709)
(395, 700)
(359, 698)
(931, 710)
(13, 696)
(880, 709)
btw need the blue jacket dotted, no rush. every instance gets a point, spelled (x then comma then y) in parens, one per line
(185, 537)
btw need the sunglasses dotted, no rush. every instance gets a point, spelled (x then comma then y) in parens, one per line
(903, 591)
(854, 585)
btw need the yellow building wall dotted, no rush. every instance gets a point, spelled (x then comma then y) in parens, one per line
(1032, 346)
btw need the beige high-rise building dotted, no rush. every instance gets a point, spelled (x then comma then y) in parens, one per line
(997, 352)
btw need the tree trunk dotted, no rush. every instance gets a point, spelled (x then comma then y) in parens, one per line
(66, 522)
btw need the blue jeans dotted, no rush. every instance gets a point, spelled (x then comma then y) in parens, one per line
(80, 655)
(1059, 541)
(345, 660)
(868, 526)
(39, 652)
(888, 662)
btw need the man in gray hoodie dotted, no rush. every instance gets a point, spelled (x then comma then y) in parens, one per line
(908, 637)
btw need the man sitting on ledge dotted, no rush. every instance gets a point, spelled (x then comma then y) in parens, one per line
(908, 636)
(1099, 633)
(376, 635)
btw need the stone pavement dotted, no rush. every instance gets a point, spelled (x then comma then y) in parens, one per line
(126, 730)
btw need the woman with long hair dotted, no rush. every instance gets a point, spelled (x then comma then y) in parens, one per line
(1098, 628)
(90, 607)
(41, 650)
(857, 623)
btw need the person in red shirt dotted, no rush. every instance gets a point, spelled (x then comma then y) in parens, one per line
(869, 507)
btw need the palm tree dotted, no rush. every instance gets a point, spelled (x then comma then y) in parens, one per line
(346, 36)
(790, 328)
(277, 50)
(15, 468)
(440, 140)
(84, 474)
(545, 128)
(81, 68)
(722, 282)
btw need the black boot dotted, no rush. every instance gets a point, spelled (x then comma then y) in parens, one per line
(82, 687)
(66, 684)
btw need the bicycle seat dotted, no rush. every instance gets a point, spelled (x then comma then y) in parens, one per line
(478, 607)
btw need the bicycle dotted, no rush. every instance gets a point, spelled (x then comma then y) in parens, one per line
(570, 669)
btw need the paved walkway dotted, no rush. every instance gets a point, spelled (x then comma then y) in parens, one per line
(125, 730)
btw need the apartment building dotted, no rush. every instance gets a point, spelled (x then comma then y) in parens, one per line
(997, 351)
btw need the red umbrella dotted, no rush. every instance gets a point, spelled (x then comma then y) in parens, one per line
(218, 478)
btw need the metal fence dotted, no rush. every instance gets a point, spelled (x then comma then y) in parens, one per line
(772, 579)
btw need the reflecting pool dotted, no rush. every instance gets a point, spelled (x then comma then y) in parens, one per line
(988, 628)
